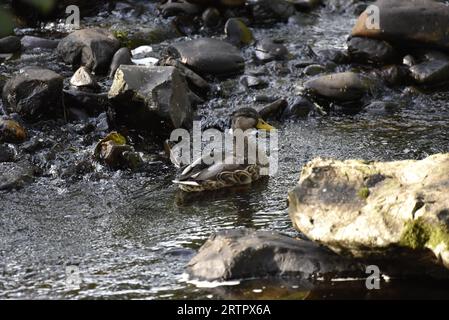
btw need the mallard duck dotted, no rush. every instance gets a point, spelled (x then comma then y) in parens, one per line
(198, 176)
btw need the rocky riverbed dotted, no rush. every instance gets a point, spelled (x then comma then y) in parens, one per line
(110, 211)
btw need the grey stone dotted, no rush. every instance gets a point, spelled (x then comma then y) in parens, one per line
(371, 50)
(31, 42)
(15, 175)
(121, 57)
(10, 44)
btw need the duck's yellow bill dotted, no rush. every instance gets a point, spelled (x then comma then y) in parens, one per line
(262, 125)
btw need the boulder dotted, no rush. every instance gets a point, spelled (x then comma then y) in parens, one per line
(433, 69)
(244, 253)
(11, 131)
(143, 97)
(92, 48)
(208, 56)
(394, 213)
(371, 50)
(34, 94)
(31, 42)
(407, 22)
(344, 86)
(10, 44)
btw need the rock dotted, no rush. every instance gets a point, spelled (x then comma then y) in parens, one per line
(371, 51)
(243, 254)
(30, 43)
(10, 44)
(225, 3)
(333, 55)
(115, 153)
(11, 131)
(92, 48)
(407, 22)
(91, 103)
(208, 56)
(300, 108)
(305, 5)
(252, 82)
(84, 79)
(381, 107)
(172, 8)
(345, 86)
(314, 69)
(121, 57)
(34, 94)
(211, 17)
(268, 50)
(266, 11)
(237, 32)
(394, 213)
(192, 78)
(7, 153)
(434, 69)
(395, 75)
(15, 175)
(274, 110)
(143, 97)
(409, 60)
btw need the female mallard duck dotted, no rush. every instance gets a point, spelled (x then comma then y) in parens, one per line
(198, 176)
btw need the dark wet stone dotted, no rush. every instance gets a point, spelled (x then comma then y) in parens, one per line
(345, 86)
(225, 3)
(177, 8)
(305, 5)
(237, 32)
(11, 131)
(274, 110)
(314, 69)
(92, 48)
(268, 50)
(148, 98)
(208, 56)
(10, 44)
(30, 43)
(211, 17)
(434, 69)
(192, 78)
(395, 75)
(371, 51)
(300, 108)
(243, 254)
(121, 57)
(7, 154)
(252, 82)
(409, 60)
(381, 107)
(266, 11)
(15, 175)
(91, 103)
(84, 79)
(407, 22)
(34, 94)
(333, 55)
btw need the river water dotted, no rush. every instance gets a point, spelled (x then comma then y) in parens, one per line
(130, 235)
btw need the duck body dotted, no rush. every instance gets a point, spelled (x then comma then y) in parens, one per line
(231, 170)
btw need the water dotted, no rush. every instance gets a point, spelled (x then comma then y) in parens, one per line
(130, 235)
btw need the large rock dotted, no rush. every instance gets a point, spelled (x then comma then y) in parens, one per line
(35, 94)
(10, 44)
(209, 56)
(92, 48)
(407, 22)
(243, 253)
(344, 86)
(433, 69)
(396, 213)
(371, 50)
(142, 97)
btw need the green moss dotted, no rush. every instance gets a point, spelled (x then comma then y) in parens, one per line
(419, 234)
(363, 193)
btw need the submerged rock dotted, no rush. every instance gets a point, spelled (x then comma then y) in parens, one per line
(208, 56)
(371, 50)
(300, 108)
(392, 212)
(7, 153)
(150, 97)
(15, 175)
(10, 44)
(266, 11)
(243, 253)
(407, 22)
(345, 86)
(268, 50)
(34, 94)
(11, 131)
(92, 48)
(305, 5)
